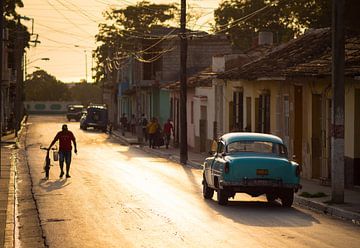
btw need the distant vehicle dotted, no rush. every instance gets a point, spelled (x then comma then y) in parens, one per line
(74, 112)
(96, 116)
(251, 163)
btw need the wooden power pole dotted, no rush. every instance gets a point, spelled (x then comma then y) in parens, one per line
(338, 102)
(183, 86)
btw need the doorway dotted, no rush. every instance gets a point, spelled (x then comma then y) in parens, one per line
(298, 127)
(316, 145)
(356, 138)
(203, 128)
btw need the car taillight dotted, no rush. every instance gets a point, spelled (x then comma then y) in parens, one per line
(297, 171)
(227, 167)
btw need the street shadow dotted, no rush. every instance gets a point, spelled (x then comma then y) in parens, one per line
(192, 178)
(262, 214)
(49, 185)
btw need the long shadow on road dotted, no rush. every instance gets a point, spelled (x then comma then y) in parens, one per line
(263, 214)
(50, 186)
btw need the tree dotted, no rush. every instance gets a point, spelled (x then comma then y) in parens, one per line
(42, 86)
(12, 23)
(124, 28)
(86, 93)
(285, 18)
(242, 19)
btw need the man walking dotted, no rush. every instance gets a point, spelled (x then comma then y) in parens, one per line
(168, 129)
(65, 137)
(143, 123)
(123, 121)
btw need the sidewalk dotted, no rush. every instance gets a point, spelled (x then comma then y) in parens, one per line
(349, 211)
(7, 190)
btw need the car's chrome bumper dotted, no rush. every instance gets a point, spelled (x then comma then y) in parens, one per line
(260, 183)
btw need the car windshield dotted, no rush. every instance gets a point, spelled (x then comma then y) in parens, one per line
(258, 147)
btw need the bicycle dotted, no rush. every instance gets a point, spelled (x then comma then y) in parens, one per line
(48, 160)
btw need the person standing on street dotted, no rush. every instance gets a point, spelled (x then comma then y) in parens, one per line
(168, 129)
(123, 121)
(143, 123)
(152, 128)
(65, 137)
(133, 124)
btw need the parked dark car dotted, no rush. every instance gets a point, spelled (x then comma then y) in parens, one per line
(74, 112)
(96, 116)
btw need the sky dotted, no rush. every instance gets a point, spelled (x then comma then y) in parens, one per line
(67, 30)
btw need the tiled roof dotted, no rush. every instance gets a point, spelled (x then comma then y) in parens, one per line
(308, 55)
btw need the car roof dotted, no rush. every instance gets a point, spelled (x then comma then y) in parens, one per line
(240, 136)
(75, 106)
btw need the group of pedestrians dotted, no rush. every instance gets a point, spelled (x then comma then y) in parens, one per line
(151, 130)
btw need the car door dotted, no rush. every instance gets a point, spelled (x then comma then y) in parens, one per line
(209, 163)
(218, 163)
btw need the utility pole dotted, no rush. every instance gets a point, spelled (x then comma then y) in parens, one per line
(1, 68)
(183, 85)
(19, 46)
(86, 69)
(338, 102)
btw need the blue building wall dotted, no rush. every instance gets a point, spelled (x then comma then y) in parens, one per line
(164, 106)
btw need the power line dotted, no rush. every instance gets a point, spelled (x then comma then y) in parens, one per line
(66, 18)
(79, 9)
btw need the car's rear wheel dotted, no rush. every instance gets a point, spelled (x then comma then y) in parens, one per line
(208, 192)
(271, 197)
(222, 196)
(287, 198)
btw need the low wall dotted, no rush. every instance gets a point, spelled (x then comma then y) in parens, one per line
(47, 107)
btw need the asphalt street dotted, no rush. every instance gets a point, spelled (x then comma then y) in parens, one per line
(120, 196)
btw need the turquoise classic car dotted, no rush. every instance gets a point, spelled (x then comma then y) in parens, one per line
(252, 163)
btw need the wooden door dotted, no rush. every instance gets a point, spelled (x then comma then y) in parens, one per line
(203, 128)
(231, 117)
(298, 127)
(316, 146)
(357, 138)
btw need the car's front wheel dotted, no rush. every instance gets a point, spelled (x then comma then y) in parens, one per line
(208, 192)
(222, 196)
(287, 198)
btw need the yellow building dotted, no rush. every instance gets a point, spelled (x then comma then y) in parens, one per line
(288, 92)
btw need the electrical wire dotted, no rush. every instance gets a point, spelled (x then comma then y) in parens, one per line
(66, 18)
(80, 10)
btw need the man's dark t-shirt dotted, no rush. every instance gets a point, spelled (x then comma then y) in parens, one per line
(65, 138)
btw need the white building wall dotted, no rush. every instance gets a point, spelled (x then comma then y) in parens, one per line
(190, 126)
(207, 92)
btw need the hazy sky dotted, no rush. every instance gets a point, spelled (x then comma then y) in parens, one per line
(67, 28)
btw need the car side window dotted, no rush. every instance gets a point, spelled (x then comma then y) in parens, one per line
(221, 147)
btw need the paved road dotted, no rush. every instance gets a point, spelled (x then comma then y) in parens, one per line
(122, 197)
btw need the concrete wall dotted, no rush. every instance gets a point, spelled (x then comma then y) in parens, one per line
(37, 107)
(204, 96)
(200, 53)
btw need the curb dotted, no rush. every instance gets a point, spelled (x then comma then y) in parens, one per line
(327, 209)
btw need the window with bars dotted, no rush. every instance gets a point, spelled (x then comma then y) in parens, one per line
(263, 124)
(238, 111)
